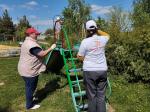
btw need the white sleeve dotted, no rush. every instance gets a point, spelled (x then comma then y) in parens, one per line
(82, 49)
(104, 39)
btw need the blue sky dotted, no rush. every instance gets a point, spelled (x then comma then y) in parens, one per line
(40, 13)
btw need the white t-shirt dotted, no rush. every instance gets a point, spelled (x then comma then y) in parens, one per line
(58, 27)
(93, 50)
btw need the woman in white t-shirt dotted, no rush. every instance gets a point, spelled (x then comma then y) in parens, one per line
(92, 53)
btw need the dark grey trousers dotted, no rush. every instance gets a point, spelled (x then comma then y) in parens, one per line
(95, 84)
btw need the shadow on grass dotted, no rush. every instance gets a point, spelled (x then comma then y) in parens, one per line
(5, 109)
(49, 88)
(72, 77)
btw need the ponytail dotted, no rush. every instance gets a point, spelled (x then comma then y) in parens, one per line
(91, 32)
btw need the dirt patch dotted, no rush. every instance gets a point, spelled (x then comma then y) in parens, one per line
(9, 51)
(110, 108)
(67, 89)
(2, 83)
(5, 47)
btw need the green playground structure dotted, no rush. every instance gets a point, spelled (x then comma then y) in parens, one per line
(60, 57)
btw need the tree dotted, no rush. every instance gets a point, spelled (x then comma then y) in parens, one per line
(21, 27)
(119, 24)
(141, 13)
(75, 15)
(7, 24)
(102, 24)
(128, 52)
(119, 19)
(1, 30)
(23, 22)
(49, 32)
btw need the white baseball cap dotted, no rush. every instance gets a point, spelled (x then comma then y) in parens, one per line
(57, 18)
(90, 25)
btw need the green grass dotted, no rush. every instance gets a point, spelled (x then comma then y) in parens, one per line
(9, 43)
(55, 96)
(129, 97)
(54, 90)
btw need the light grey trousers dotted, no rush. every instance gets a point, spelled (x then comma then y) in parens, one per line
(95, 84)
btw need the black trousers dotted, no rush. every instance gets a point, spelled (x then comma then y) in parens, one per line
(95, 84)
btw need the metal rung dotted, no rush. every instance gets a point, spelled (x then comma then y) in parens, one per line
(74, 82)
(83, 106)
(59, 44)
(75, 70)
(73, 59)
(75, 85)
(76, 94)
(66, 50)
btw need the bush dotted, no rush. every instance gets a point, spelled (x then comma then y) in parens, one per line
(129, 56)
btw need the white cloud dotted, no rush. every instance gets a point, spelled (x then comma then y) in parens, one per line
(42, 23)
(3, 7)
(100, 9)
(30, 5)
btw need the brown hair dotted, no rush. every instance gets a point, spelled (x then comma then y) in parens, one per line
(91, 32)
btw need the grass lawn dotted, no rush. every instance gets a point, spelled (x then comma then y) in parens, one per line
(55, 96)
(129, 97)
(10, 43)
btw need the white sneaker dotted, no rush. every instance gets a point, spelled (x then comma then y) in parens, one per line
(35, 107)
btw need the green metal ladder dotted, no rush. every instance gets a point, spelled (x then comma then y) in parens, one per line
(78, 93)
(73, 84)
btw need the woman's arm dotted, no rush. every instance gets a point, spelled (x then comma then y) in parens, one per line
(102, 33)
(45, 52)
(80, 57)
